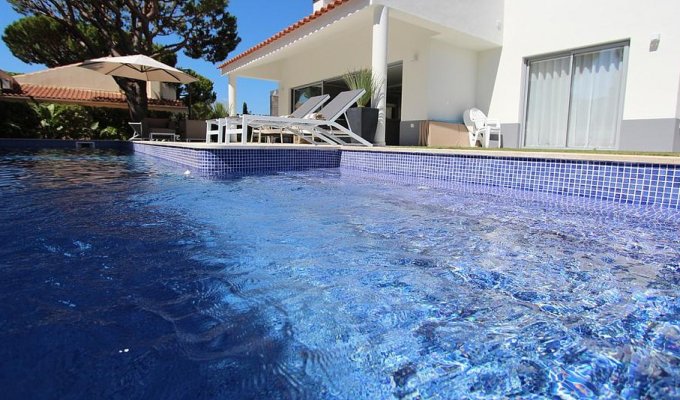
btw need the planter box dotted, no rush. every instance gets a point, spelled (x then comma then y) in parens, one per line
(442, 134)
(363, 121)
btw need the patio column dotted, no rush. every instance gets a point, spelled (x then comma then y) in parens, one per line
(232, 95)
(379, 67)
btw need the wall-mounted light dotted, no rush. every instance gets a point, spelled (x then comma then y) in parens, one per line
(654, 40)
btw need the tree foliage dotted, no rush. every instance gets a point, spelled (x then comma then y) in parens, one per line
(201, 28)
(17, 120)
(58, 121)
(209, 111)
(56, 46)
(197, 96)
(201, 91)
(95, 28)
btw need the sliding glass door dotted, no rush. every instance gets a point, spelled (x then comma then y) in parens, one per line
(574, 100)
(302, 94)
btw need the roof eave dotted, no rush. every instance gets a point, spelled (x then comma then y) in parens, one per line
(305, 27)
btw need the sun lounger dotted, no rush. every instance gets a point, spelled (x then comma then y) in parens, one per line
(222, 128)
(322, 125)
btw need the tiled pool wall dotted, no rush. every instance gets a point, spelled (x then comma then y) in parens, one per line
(38, 144)
(237, 161)
(623, 182)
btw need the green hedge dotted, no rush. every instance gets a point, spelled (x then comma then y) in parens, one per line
(58, 121)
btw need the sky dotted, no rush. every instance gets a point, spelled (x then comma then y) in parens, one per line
(257, 20)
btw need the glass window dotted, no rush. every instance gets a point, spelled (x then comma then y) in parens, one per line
(548, 102)
(302, 94)
(574, 100)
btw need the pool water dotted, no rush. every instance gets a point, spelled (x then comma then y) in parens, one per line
(122, 278)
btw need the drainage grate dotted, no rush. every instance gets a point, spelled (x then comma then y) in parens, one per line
(84, 145)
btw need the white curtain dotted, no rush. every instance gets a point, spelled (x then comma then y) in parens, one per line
(548, 102)
(574, 101)
(595, 99)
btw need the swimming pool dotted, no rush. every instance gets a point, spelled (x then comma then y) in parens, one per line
(120, 277)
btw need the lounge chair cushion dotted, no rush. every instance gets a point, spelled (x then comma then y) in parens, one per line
(315, 116)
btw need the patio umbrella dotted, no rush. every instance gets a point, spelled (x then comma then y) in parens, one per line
(138, 67)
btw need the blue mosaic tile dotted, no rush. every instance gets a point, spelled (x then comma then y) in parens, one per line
(38, 144)
(631, 183)
(236, 161)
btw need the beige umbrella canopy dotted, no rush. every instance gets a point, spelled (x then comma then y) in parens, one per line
(138, 67)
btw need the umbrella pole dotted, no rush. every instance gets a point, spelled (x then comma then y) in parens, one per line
(189, 104)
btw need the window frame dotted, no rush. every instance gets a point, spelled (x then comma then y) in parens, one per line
(571, 53)
(292, 92)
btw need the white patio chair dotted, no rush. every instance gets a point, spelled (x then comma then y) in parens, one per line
(137, 129)
(480, 128)
(323, 125)
(148, 129)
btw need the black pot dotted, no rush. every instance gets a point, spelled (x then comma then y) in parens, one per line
(363, 121)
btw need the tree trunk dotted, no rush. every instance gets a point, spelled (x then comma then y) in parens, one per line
(135, 94)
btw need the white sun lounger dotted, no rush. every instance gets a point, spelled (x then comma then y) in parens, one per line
(223, 127)
(323, 127)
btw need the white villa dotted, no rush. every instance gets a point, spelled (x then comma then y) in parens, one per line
(599, 74)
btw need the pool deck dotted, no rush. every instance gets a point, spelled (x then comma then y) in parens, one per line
(550, 155)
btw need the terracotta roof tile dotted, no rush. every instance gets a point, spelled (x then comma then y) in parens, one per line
(286, 31)
(76, 94)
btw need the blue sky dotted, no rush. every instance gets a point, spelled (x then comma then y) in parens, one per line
(257, 20)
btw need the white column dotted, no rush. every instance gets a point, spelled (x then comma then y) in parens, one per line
(379, 67)
(231, 105)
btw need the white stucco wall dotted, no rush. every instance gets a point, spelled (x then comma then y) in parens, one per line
(352, 50)
(487, 69)
(452, 82)
(439, 66)
(160, 90)
(326, 60)
(534, 27)
(439, 79)
(479, 18)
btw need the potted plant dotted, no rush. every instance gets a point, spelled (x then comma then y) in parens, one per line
(363, 119)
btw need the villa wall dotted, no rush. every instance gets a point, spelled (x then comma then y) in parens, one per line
(439, 79)
(352, 51)
(463, 53)
(451, 81)
(334, 58)
(71, 76)
(477, 18)
(651, 109)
